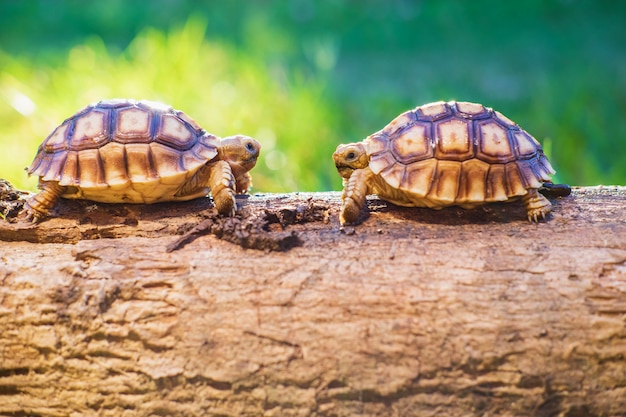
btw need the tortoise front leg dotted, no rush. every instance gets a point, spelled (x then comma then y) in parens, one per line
(244, 182)
(222, 184)
(38, 206)
(536, 205)
(353, 197)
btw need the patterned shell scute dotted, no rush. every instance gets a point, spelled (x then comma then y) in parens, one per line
(457, 153)
(115, 143)
(433, 111)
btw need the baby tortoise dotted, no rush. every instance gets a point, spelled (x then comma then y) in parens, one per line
(443, 154)
(127, 151)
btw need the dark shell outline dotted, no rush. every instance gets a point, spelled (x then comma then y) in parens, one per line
(535, 163)
(202, 143)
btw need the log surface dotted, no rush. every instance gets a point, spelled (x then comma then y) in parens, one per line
(280, 312)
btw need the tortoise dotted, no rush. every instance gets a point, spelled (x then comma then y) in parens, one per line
(443, 154)
(127, 151)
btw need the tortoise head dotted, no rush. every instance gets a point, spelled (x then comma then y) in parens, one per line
(241, 152)
(350, 157)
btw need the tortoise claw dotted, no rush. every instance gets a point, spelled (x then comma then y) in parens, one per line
(535, 215)
(29, 214)
(537, 206)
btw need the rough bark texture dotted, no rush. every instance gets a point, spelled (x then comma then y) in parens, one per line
(414, 312)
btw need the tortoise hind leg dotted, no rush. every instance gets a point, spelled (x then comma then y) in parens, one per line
(536, 205)
(38, 206)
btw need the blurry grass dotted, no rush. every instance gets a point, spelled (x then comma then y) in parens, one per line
(224, 89)
(303, 76)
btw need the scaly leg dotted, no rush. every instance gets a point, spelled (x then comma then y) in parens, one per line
(38, 206)
(353, 197)
(222, 183)
(536, 205)
(244, 182)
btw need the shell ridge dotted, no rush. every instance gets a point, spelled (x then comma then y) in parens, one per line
(535, 166)
(90, 130)
(205, 148)
(445, 181)
(125, 160)
(496, 183)
(113, 116)
(381, 162)
(515, 185)
(70, 171)
(538, 168)
(79, 113)
(34, 166)
(473, 131)
(528, 173)
(418, 177)
(189, 122)
(155, 122)
(379, 138)
(433, 176)
(51, 144)
(69, 135)
(55, 168)
(431, 141)
(100, 174)
(459, 177)
(391, 174)
(154, 173)
(510, 136)
(453, 139)
(511, 139)
(75, 178)
(43, 163)
(474, 174)
(114, 165)
(88, 168)
(546, 166)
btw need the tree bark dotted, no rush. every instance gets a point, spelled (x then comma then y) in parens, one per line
(168, 310)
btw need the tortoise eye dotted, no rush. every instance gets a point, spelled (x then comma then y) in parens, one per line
(250, 146)
(350, 155)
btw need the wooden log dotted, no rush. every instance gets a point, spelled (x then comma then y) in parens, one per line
(414, 312)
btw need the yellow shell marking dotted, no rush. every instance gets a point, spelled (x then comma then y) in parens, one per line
(472, 184)
(399, 122)
(133, 123)
(419, 177)
(470, 108)
(496, 184)
(89, 130)
(413, 144)
(114, 166)
(494, 143)
(433, 109)
(446, 182)
(453, 140)
(526, 145)
(172, 128)
(57, 139)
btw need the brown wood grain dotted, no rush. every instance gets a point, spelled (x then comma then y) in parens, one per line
(280, 312)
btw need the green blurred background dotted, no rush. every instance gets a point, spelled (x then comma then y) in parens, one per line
(303, 76)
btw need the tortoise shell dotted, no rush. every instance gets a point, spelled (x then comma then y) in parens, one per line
(456, 153)
(124, 151)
